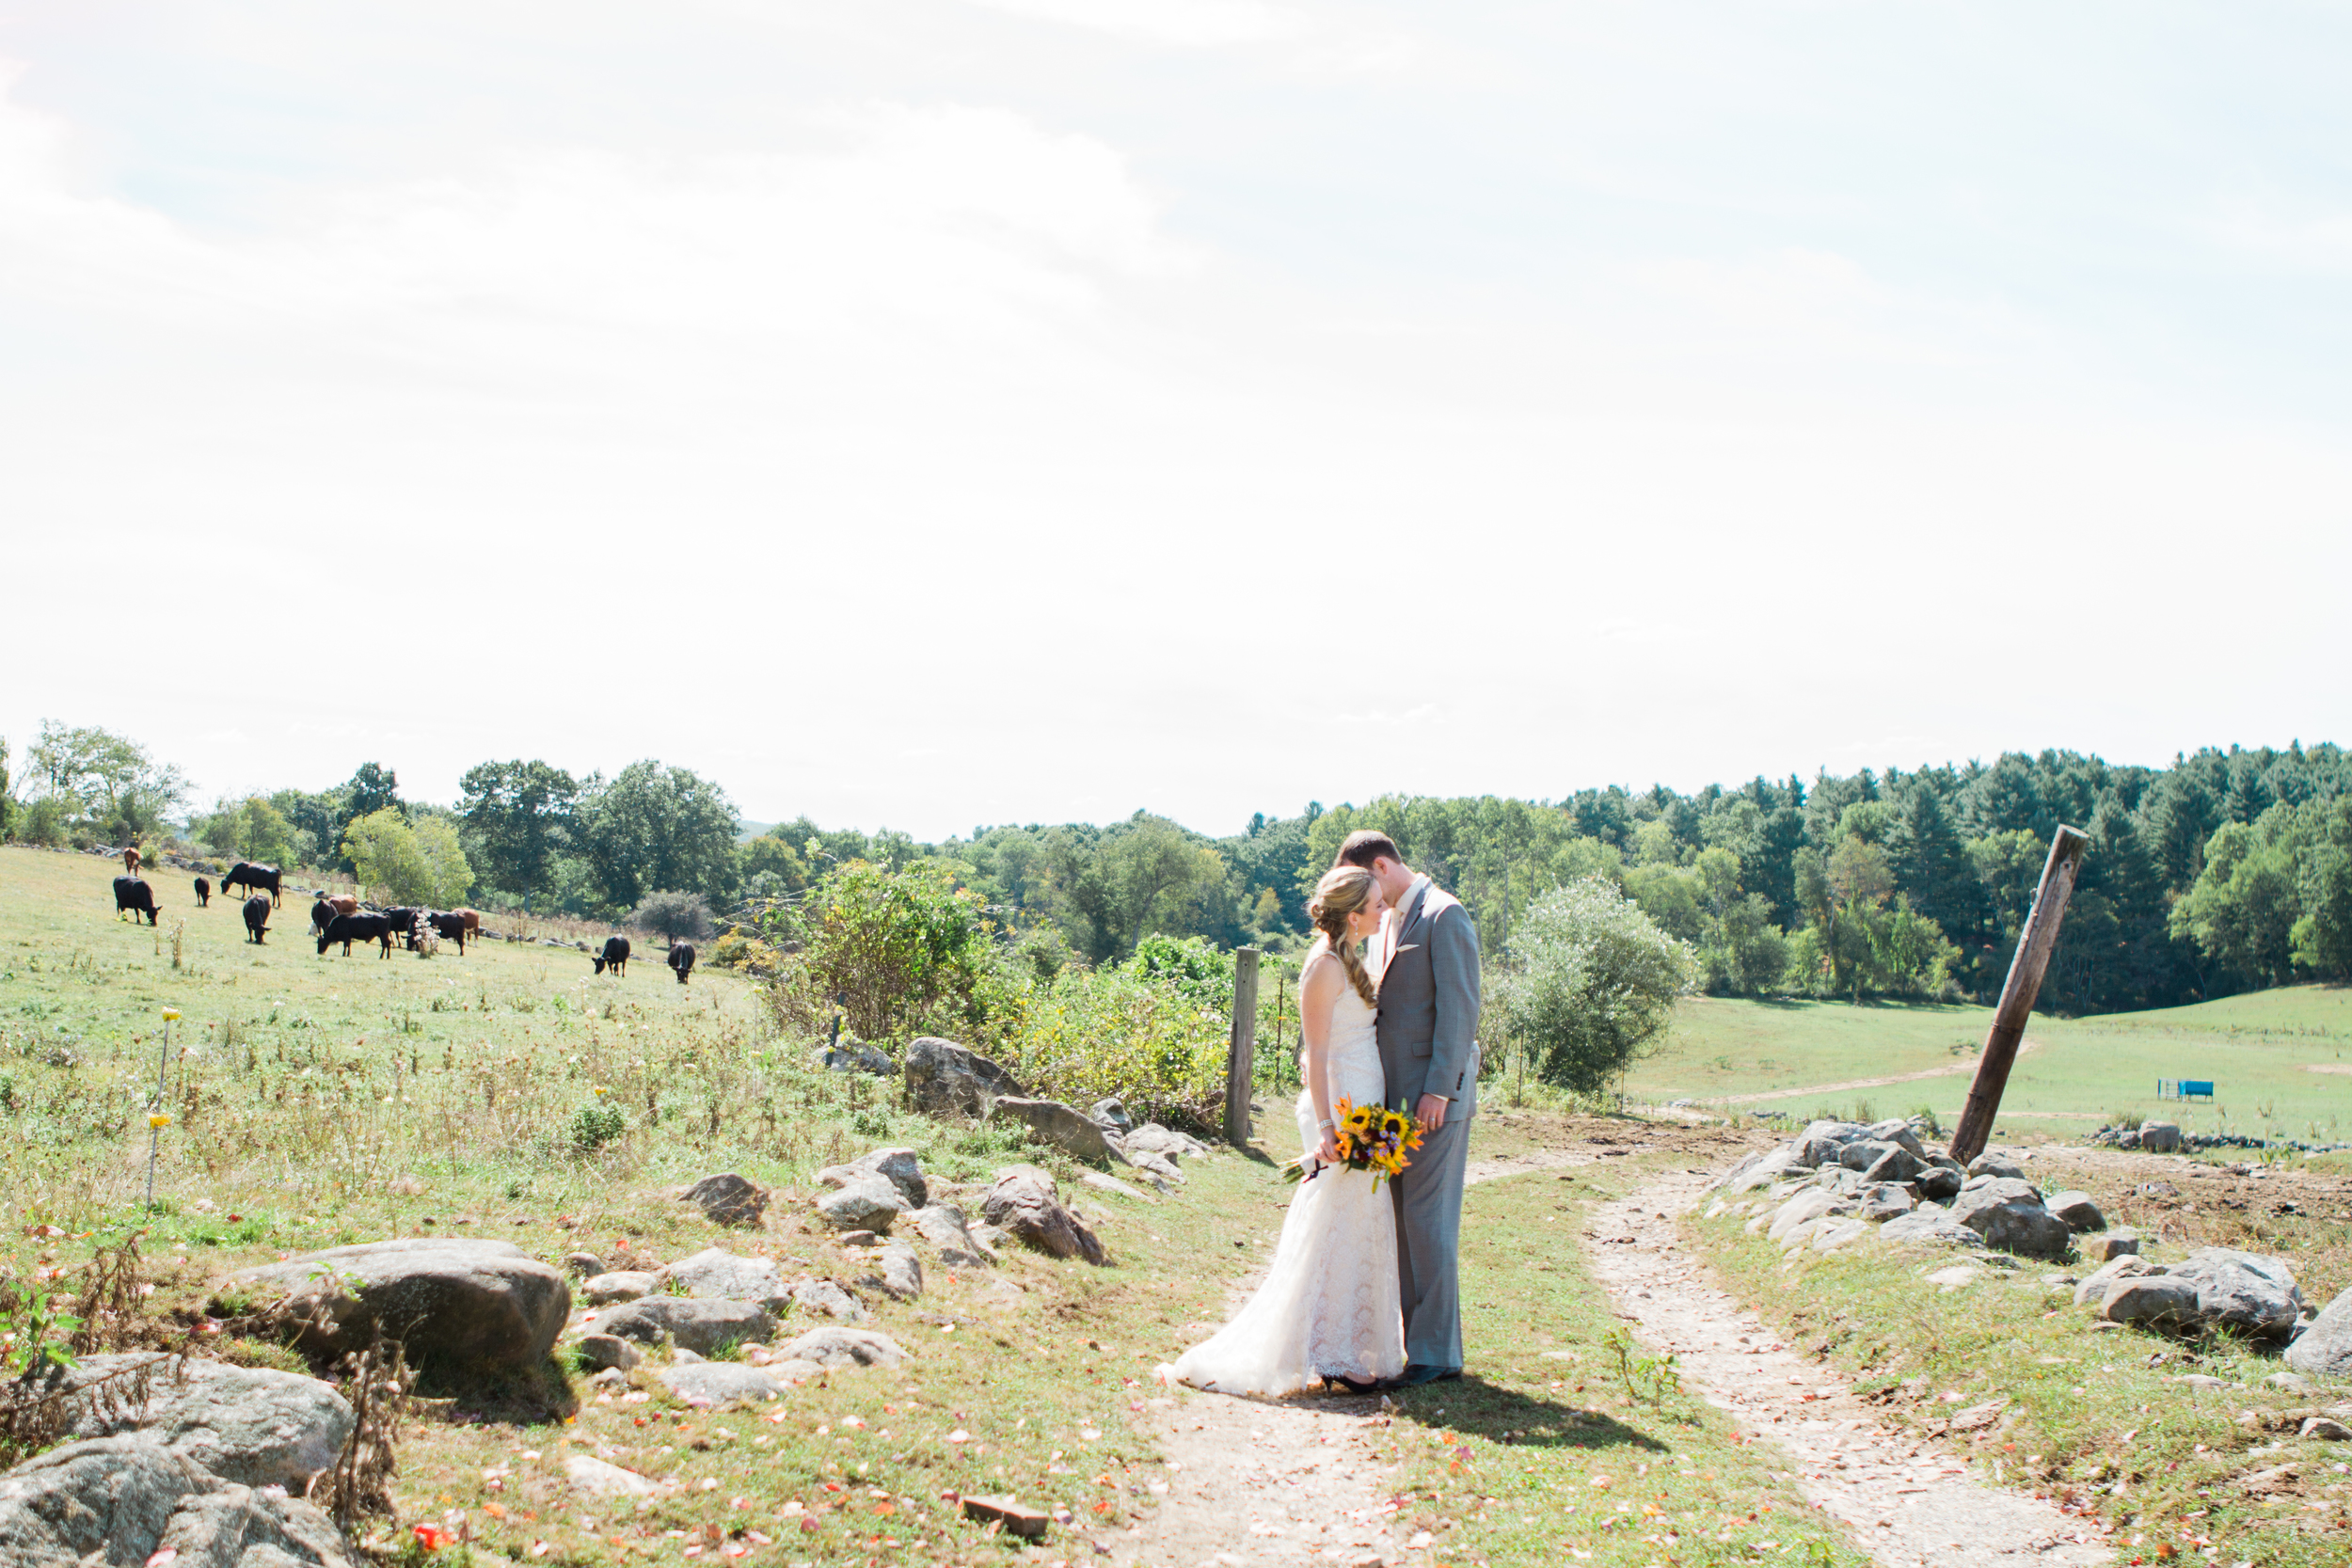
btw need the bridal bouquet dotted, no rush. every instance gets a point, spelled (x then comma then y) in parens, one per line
(1370, 1137)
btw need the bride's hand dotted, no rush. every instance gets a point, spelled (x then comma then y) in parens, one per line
(1329, 1149)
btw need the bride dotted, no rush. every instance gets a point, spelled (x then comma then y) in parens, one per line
(1328, 1307)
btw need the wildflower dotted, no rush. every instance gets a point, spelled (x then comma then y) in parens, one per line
(159, 1120)
(433, 1537)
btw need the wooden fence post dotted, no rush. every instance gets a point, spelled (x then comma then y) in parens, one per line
(1242, 1048)
(2024, 981)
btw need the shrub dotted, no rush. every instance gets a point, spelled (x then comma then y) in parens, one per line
(404, 865)
(1596, 986)
(894, 946)
(679, 916)
(595, 1124)
(1094, 1032)
(1191, 965)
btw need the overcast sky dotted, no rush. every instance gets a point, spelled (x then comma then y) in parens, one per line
(922, 413)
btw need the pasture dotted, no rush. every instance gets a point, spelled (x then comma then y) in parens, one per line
(2279, 1059)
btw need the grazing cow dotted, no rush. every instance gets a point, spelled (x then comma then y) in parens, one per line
(348, 928)
(254, 877)
(451, 928)
(321, 915)
(474, 923)
(404, 923)
(204, 893)
(682, 959)
(130, 862)
(615, 956)
(134, 895)
(257, 918)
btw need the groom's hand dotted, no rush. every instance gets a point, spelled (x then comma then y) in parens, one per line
(1430, 1113)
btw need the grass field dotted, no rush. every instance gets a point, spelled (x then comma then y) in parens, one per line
(2259, 1050)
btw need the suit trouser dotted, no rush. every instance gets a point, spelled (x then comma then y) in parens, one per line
(1428, 1199)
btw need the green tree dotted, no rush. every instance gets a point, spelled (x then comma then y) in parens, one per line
(656, 827)
(520, 817)
(422, 864)
(890, 947)
(109, 782)
(2243, 906)
(772, 864)
(1145, 874)
(252, 829)
(373, 787)
(2322, 932)
(1594, 984)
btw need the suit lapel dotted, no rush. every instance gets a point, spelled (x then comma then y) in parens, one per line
(1409, 918)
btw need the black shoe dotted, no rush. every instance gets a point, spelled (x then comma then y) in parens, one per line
(1416, 1375)
(1353, 1385)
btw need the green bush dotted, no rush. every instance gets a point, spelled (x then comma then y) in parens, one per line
(595, 1124)
(1095, 1033)
(679, 916)
(898, 949)
(1192, 966)
(1595, 986)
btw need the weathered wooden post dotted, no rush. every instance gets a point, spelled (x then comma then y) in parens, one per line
(1242, 1049)
(2024, 981)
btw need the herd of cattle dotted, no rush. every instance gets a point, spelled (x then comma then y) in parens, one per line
(339, 917)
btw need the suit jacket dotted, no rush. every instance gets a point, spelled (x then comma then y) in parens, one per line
(1428, 1021)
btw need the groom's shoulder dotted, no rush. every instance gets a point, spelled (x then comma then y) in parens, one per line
(1437, 900)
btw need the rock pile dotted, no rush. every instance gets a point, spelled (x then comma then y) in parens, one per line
(2212, 1288)
(1831, 1183)
(2165, 1137)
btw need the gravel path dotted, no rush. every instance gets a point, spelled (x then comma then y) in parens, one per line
(1907, 1502)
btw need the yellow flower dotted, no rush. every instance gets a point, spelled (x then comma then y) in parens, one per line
(159, 1120)
(171, 1015)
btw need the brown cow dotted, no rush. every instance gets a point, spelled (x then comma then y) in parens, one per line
(474, 923)
(131, 861)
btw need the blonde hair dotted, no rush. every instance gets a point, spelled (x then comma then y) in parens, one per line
(1343, 891)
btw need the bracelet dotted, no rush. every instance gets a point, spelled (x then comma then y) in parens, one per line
(1326, 1125)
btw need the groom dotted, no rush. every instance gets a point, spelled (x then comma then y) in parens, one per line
(1429, 1034)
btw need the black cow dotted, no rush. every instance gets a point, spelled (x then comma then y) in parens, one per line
(257, 918)
(204, 893)
(254, 877)
(615, 956)
(348, 928)
(134, 895)
(321, 915)
(682, 959)
(404, 923)
(451, 926)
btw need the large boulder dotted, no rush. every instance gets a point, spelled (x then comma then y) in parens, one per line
(902, 1168)
(1151, 1138)
(845, 1347)
(853, 1056)
(1112, 1113)
(1898, 1131)
(1811, 1204)
(1063, 1127)
(123, 1501)
(944, 1226)
(1929, 1224)
(1894, 1163)
(715, 1273)
(898, 1273)
(1997, 1164)
(244, 1424)
(2008, 1214)
(1887, 1200)
(2077, 1208)
(458, 1302)
(2249, 1292)
(862, 1201)
(1026, 1205)
(2157, 1300)
(1776, 1163)
(945, 1079)
(727, 1198)
(2324, 1349)
(2108, 1245)
(829, 1298)
(701, 1326)
(1940, 1183)
(2159, 1137)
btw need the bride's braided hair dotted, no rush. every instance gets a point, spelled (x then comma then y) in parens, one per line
(1343, 891)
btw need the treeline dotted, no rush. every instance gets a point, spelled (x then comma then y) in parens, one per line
(2227, 871)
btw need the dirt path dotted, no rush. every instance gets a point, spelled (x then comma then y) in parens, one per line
(1953, 1071)
(1907, 1502)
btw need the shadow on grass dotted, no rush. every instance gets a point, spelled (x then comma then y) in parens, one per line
(1482, 1409)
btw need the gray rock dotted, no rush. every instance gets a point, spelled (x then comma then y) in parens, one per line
(2110, 1246)
(829, 1298)
(2324, 1349)
(845, 1347)
(117, 1502)
(1929, 1225)
(1059, 1126)
(2324, 1430)
(244, 1424)
(583, 1265)
(853, 1056)
(898, 1273)
(1832, 1234)
(1940, 1183)
(1898, 1131)
(619, 1285)
(902, 1168)
(1997, 1164)
(1095, 1180)
(1026, 1205)
(1896, 1164)
(2154, 1299)
(1839, 1178)
(716, 1274)
(1811, 1204)
(601, 1480)
(463, 1302)
(994, 1239)
(1113, 1115)
(718, 1382)
(1862, 1153)
(599, 1350)
(2255, 1294)
(1151, 1138)
(2160, 1137)
(1774, 1164)
(945, 1079)
(2077, 1210)
(943, 1225)
(2092, 1291)
(2006, 1211)
(701, 1326)
(1887, 1200)
(859, 1238)
(1156, 1165)
(865, 1202)
(727, 1198)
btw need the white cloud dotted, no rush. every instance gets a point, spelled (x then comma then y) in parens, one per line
(1191, 24)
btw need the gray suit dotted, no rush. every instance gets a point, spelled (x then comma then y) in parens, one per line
(1429, 1034)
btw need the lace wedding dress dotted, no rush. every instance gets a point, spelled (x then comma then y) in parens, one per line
(1329, 1303)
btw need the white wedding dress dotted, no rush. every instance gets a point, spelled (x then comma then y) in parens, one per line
(1328, 1306)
